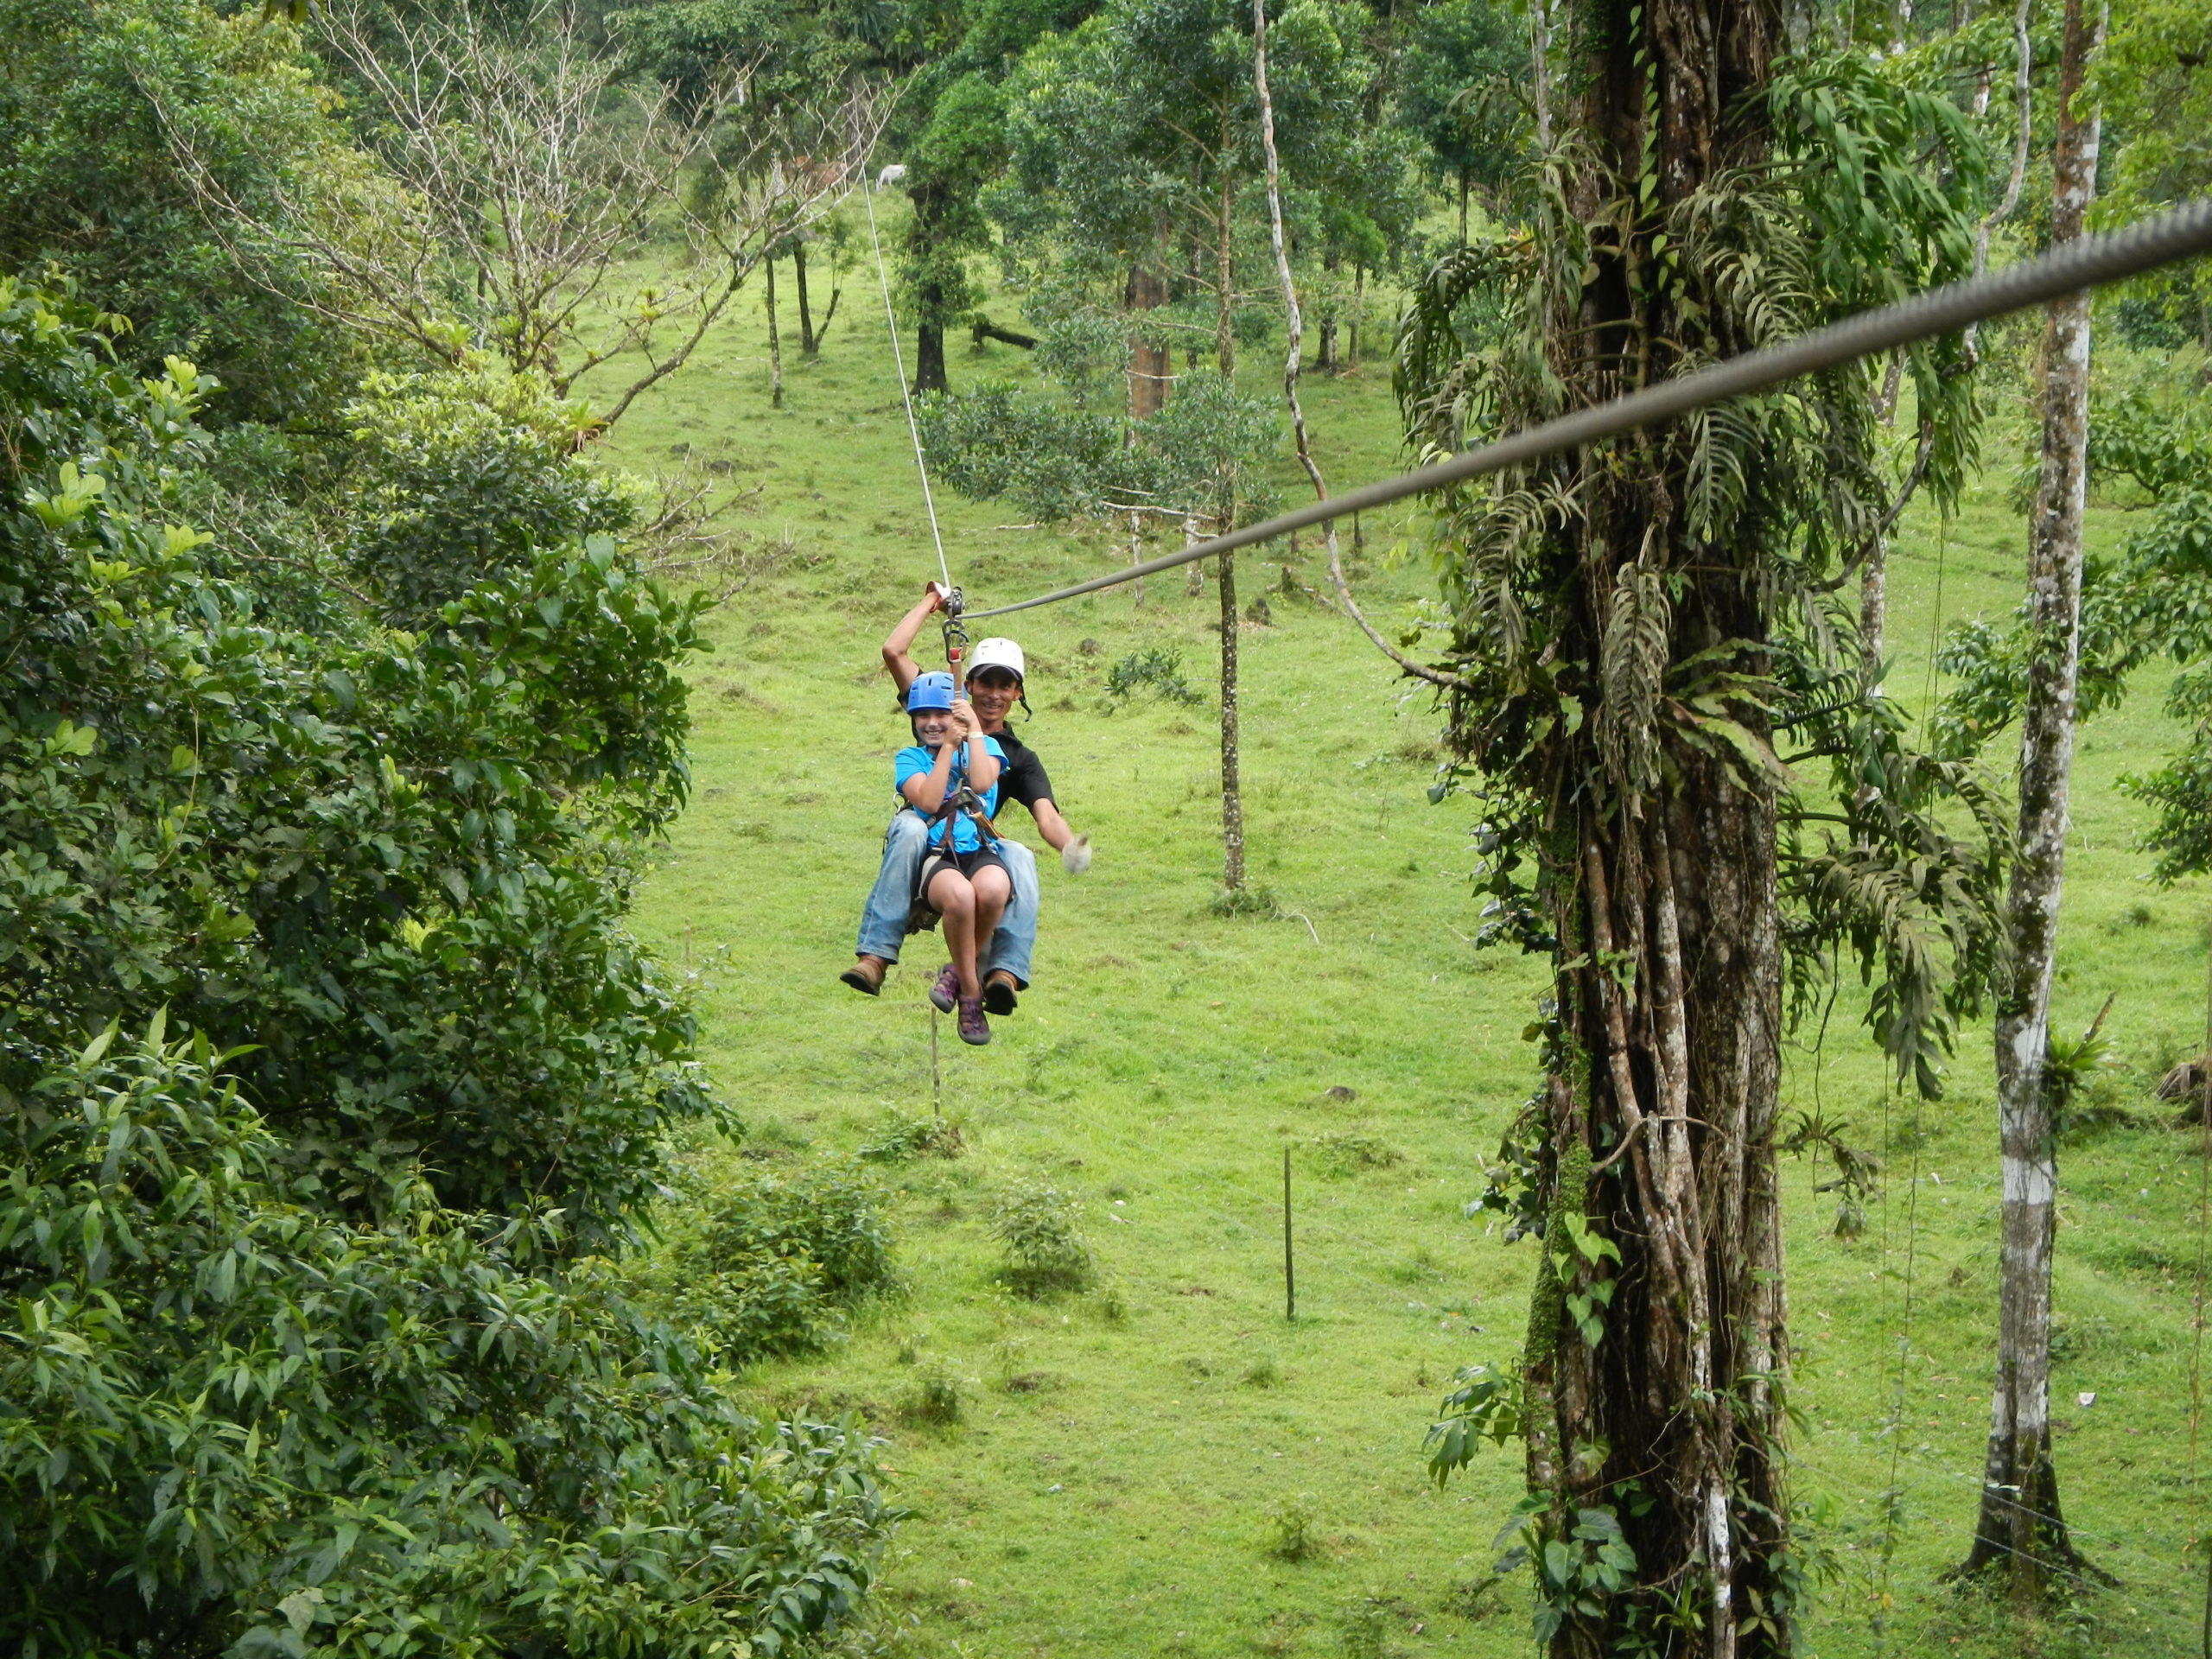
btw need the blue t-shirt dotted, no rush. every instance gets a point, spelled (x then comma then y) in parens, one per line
(915, 761)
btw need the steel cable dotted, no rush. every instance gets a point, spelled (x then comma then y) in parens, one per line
(2091, 262)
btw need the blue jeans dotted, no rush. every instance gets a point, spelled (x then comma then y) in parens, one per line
(883, 924)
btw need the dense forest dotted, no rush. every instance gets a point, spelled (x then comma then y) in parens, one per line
(401, 1255)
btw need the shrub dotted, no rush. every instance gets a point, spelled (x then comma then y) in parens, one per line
(1045, 1252)
(903, 1139)
(935, 1399)
(461, 475)
(1159, 668)
(771, 1265)
(1290, 1530)
(1350, 1155)
(221, 1399)
(343, 1369)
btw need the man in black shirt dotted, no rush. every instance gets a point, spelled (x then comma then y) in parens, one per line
(996, 675)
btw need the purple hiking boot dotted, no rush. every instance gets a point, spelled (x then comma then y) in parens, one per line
(945, 993)
(973, 1028)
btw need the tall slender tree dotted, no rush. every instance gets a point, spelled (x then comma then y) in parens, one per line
(2020, 1521)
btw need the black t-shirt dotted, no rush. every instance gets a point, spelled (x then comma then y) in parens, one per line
(1022, 778)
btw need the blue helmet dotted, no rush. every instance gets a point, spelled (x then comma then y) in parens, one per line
(929, 691)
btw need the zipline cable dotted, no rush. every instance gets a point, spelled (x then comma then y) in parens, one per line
(905, 392)
(2090, 262)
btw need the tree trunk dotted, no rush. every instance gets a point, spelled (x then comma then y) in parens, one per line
(1359, 310)
(775, 340)
(1466, 178)
(1149, 369)
(1232, 797)
(929, 341)
(1656, 1328)
(2020, 1521)
(807, 344)
(1873, 608)
(1224, 263)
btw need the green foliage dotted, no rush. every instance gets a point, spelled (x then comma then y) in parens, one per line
(1289, 1533)
(1156, 668)
(1489, 1403)
(377, 857)
(1113, 181)
(1580, 1571)
(265, 1421)
(334, 1370)
(961, 150)
(1858, 1170)
(1457, 80)
(91, 183)
(1203, 455)
(935, 1400)
(1044, 1252)
(459, 476)
(770, 1264)
(903, 1139)
(1353, 1154)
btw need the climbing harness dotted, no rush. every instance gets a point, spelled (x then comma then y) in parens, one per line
(940, 852)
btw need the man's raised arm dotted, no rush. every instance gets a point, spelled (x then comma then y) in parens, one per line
(899, 644)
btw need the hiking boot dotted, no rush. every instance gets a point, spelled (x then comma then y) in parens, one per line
(866, 975)
(973, 1028)
(945, 993)
(998, 992)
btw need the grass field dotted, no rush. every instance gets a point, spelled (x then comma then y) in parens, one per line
(1133, 1468)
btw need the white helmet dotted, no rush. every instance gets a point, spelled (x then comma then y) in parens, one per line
(998, 653)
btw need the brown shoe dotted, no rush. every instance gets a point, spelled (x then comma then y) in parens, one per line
(998, 992)
(866, 975)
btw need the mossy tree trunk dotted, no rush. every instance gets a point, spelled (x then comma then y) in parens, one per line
(1656, 1343)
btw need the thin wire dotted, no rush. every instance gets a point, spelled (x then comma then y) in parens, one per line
(905, 392)
(2086, 262)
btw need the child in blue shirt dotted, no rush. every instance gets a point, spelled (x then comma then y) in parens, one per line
(962, 879)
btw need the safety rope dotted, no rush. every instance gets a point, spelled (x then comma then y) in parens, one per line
(2087, 261)
(905, 392)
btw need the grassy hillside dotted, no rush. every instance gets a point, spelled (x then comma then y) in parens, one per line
(1165, 1465)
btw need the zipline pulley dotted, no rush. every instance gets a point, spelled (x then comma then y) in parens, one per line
(956, 632)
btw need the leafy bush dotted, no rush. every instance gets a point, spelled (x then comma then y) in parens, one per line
(379, 858)
(935, 1399)
(221, 1398)
(1290, 1530)
(91, 182)
(459, 476)
(903, 1139)
(335, 1371)
(1159, 668)
(1351, 1154)
(1044, 1251)
(770, 1264)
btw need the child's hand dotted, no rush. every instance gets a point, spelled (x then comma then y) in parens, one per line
(963, 720)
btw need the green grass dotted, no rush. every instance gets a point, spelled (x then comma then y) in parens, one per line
(1123, 1459)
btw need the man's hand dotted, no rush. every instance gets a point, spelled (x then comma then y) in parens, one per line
(934, 595)
(1075, 857)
